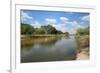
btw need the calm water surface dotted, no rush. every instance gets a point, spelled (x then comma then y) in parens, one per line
(48, 49)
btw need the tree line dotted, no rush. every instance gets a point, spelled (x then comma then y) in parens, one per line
(47, 29)
(83, 31)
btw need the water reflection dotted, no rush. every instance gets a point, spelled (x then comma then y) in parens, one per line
(48, 49)
(47, 41)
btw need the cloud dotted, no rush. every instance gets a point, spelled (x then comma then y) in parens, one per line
(74, 26)
(50, 21)
(25, 16)
(36, 24)
(86, 18)
(64, 19)
(69, 26)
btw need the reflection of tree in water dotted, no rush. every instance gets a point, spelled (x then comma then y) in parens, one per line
(51, 48)
(45, 41)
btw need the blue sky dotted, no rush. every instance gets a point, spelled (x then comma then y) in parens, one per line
(63, 21)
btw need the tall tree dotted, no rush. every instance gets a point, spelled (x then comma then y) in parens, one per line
(49, 29)
(26, 29)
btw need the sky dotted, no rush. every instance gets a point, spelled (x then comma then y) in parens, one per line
(63, 21)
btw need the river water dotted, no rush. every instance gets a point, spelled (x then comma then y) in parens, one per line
(48, 49)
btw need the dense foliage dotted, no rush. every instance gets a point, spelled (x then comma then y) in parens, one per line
(47, 29)
(83, 31)
(83, 38)
(26, 29)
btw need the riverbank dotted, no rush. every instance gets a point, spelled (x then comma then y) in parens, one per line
(23, 37)
(83, 47)
(83, 55)
(28, 40)
(43, 35)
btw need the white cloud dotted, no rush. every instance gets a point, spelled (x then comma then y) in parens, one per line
(25, 16)
(64, 19)
(61, 27)
(36, 24)
(86, 18)
(70, 26)
(50, 21)
(75, 26)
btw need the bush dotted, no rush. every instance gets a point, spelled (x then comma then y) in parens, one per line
(83, 31)
(82, 37)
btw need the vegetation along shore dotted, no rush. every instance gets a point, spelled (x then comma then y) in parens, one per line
(82, 37)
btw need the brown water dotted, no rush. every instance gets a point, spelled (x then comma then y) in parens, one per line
(42, 49)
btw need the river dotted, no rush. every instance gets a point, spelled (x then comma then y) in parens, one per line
(48, 49)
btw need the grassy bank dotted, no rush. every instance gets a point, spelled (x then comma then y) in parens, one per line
(83, 40)
(30, 40)
(83, 47)
(43, 35)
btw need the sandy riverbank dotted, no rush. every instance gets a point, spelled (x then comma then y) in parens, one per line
(83, 54)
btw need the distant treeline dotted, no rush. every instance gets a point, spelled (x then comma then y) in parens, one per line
(47, 29)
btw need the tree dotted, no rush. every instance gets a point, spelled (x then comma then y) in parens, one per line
(26, 29)
(39, 31)
(66, 33)
(83, 31)
(49, 29)
(59, 32)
